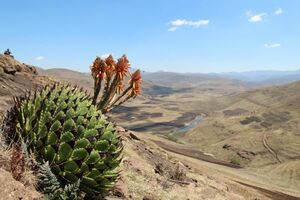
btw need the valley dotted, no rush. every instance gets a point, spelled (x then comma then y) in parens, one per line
(247, 125)
(234, 140)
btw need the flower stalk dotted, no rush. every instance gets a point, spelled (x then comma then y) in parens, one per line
(113, 74)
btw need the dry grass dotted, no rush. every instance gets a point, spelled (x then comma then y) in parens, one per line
(273, 111)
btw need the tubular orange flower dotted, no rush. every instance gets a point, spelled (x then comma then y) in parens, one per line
(98, 68)
(110, 63)
(135, 82)
(95, 67)
(122, 67)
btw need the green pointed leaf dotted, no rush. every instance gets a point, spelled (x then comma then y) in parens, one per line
(93, 173)
(64, 151)
(107, 135)
(79, 154)
(115, 141)
(81, 130)
(55, 169)
(102, 145)
(100, 165)
(70, 113)
(69, 125)
(110, 175)
(62, 104)
(67, 137)
(50, 153)
(92, 112)
(93, 158)
(92, 123)
(43, 132)
(59, 116)
(80, 120)
(52, 139)
(112, 148)
(90, 133)
(82, 143)
(82, 111)
(71, 166)
(55, 126)
(89, 182)
(70, 177)
(84, 168)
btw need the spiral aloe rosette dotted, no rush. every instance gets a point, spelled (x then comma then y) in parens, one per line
(60, 125)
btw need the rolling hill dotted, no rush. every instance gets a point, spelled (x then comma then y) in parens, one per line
(148, 171)
(258, 129)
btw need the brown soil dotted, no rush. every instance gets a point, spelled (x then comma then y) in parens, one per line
(193, 153)
(272, 194)
(12, 190)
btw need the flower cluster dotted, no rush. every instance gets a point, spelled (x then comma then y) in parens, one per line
(113, 74)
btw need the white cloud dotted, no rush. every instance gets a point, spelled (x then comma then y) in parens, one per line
(254, 18)
(39, 58)
(183, 22)
(274, 45)
(174, 28)
(279, 11)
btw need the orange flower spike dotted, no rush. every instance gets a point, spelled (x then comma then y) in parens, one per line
(135, 82)
(102, 70)
(110, 63)
(122, 67)
(95, 67)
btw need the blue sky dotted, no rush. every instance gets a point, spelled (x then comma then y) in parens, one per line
(170, 35)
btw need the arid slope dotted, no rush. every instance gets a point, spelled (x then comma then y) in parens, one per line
(259, 129)
(147, 171)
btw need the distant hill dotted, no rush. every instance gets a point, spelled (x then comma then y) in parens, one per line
(258, 129)
(264, 77)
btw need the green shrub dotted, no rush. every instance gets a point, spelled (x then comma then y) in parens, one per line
(235, 161)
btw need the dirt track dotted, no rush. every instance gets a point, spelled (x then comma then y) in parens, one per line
(272, 194)
(193, 153)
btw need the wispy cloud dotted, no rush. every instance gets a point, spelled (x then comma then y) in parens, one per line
(174, 28)
(279, 11)
(254, 18)
(273, 45)
(39, 58)
(183, 22)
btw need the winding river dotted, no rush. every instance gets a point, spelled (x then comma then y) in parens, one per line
(191, 125)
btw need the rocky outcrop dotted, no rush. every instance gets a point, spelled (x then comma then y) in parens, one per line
(15, 79)
(9, 65)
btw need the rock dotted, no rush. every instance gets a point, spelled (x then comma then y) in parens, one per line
(133, 136)
(227, 146)
(11, 66)
(149, 197)
(246, 154)
(12, 189)
(10, 70)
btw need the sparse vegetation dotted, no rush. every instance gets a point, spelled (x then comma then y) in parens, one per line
(249, 120)
(235, 161)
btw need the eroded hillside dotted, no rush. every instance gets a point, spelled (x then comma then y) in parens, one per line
(147, 171)
(258, 130)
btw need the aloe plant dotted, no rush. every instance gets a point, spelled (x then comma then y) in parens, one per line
(61, 126)
(110, 89)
